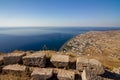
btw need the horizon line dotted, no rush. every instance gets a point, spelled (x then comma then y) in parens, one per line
(50, 26)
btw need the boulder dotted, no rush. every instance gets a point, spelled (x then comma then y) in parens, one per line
(15, 69)
(60, 60)
(88, 74)
(82, 63)
(66, 75)
(35, 59)
(13, 58)
(42, 73)
(96, 66)
(92, 64)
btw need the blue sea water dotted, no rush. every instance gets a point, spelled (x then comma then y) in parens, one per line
(41, 38)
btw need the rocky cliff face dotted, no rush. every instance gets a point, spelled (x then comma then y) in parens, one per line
(104, 45)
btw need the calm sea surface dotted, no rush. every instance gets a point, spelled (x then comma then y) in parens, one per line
(42, 38)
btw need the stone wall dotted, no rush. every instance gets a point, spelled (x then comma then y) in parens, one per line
(37, 65)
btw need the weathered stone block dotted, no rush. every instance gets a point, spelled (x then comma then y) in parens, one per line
(66, 75)
(13, 58)
(60, 60)
(82, 63)
(88, 75)
(42, 73)
(15, 69)
(35, 59)
(96, 66)
(92, 64)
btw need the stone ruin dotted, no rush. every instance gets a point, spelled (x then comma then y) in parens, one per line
(36, 66)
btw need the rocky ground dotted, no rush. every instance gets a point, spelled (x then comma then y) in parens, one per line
(51, 65)
(101, 45)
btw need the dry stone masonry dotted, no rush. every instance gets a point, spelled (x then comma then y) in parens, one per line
(60, 60)
(66, 75)
(36, 59)
(13, 58)
(81, 63)
(34, 65)
(96, 66)
(42, 73)
(88, 75)
(15, 69)
(92, 64)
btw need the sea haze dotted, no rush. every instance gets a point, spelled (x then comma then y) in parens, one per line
(41, 38)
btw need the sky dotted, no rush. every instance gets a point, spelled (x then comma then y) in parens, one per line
(17, 13)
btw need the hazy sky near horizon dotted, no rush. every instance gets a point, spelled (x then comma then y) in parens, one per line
(59, 13)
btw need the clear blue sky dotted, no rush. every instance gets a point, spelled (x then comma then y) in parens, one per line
(59, 13)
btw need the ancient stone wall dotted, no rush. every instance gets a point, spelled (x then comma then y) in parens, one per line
(55, 67)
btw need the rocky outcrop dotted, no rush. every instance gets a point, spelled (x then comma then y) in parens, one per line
(94, 42)
(101, 45)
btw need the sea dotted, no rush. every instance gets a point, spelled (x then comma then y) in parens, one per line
(40, 38)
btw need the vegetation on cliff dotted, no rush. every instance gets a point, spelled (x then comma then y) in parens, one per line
(101, 45)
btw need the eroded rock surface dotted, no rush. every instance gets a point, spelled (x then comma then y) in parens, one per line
(60, 60)
(66, 75)
(91, 64)
(15, 69)
(94, 42)
(13, 58)
(42, 73)
(35, 59)
(87, 74)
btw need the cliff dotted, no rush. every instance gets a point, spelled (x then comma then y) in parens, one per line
(101, 45)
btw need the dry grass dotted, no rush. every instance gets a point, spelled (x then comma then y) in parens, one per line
(48, 53)
(108, 62)
(13, 77)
